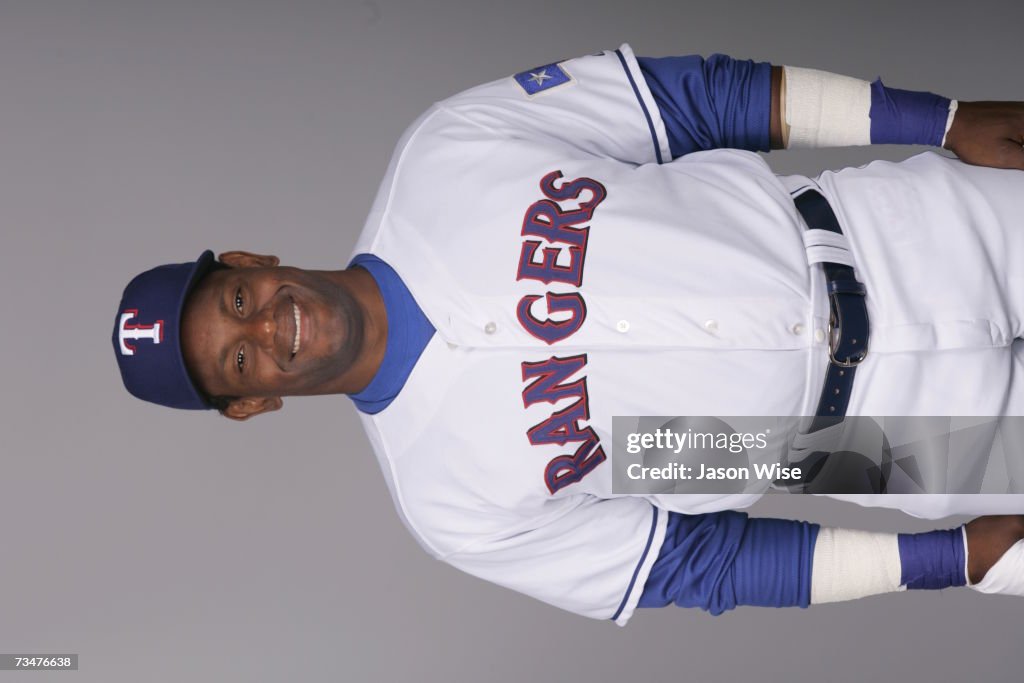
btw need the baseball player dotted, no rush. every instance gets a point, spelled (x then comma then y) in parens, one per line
(597, 237)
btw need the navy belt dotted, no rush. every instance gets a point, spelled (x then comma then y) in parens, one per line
(848, 318)
(848, 344)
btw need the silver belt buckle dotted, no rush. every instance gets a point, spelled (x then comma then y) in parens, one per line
(835, 335)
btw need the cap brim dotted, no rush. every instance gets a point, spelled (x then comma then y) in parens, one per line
(203, 265)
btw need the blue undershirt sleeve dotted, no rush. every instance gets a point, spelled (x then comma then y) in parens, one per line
(711, 103)
(721, 560)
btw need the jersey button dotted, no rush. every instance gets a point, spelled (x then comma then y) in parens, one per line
(710, 325)
(491, 328)
(622, 326)
(797, 329)
(819, 335)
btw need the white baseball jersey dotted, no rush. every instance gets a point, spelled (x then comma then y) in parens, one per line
(570, 278)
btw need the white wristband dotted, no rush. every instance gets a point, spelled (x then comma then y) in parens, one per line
(825, 109)
(851, 564)
(949, 120)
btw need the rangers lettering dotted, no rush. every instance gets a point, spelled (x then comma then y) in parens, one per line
(562, 226)
(545, 218)
(557, 225)
(550, 384)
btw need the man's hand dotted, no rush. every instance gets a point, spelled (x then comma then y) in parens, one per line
(988, 540)
(988, 134)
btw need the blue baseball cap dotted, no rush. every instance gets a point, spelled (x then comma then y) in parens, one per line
(147, 334)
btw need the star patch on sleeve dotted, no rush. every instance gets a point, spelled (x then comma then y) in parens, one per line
(542, 78)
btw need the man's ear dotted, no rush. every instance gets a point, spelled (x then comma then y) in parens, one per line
(244, 408)
(245, 259)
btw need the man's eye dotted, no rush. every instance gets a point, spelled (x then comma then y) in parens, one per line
(238, 300)
(240, 359)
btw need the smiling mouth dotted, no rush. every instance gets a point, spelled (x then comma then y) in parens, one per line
(298, 328)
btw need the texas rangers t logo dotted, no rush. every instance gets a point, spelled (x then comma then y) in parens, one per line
(126, 331)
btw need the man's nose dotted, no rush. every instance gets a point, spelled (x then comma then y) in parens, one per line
(263, 328)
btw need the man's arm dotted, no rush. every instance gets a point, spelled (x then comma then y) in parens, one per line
(832, 110)
(643, 110)
(721, 560)
(988, 134)
(725, 102)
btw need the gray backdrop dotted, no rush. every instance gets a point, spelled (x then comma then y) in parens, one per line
(164, 546)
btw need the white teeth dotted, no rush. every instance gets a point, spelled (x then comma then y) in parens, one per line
(298, 328)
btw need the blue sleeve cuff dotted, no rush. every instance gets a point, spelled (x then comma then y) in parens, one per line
(933, 560)
(907, 117)
(712, 103)
(721, 560)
